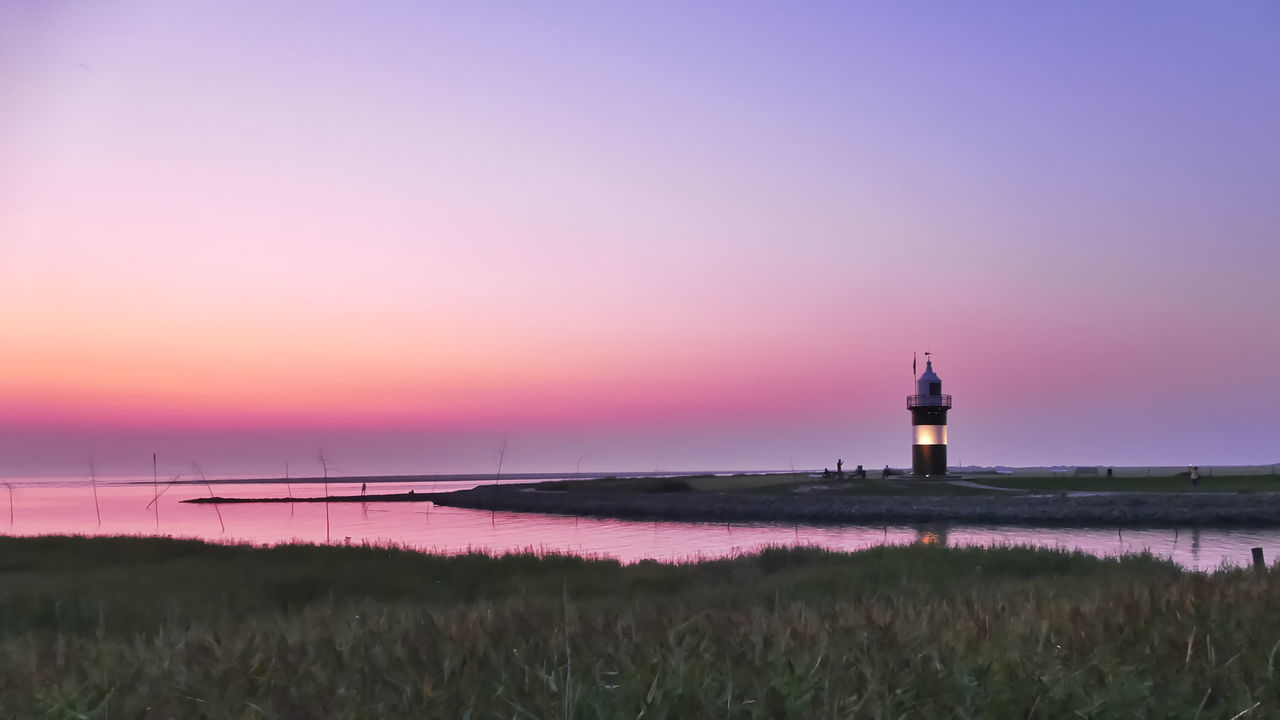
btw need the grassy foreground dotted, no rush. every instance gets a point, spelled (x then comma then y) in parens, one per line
(130, 627)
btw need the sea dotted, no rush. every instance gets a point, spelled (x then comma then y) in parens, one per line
(143, 506)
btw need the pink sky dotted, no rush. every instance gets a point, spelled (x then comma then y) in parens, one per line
(659, 236)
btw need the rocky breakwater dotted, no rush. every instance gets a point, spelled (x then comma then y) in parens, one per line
(1083, 510)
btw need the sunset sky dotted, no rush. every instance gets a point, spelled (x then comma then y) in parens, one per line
(635, 236)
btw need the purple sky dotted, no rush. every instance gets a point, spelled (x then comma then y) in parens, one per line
(672, 235)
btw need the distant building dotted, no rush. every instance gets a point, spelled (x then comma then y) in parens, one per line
(929, 424)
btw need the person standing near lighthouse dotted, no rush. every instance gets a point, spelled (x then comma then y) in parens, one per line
(928, 423)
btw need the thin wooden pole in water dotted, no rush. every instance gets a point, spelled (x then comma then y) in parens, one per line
(325, 465)
(162, 492)
(215, 509)
(1259, 563)
(155, 487)
(10, 503)
(210, 489)
(289, 485)
(501, 455)
(93, 478)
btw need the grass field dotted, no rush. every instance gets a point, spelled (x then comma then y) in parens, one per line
(164, 628)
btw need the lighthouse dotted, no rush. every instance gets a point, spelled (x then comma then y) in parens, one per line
(928, 424)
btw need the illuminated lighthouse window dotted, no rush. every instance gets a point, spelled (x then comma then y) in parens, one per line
(930, 434)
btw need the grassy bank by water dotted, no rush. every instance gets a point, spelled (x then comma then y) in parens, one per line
(769, 484)
(165, 628)
(788, 483)
(1173, 484)
(918, 502)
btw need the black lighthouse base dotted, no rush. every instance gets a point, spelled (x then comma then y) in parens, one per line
(928, 460)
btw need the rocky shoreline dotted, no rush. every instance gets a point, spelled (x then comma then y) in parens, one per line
(1062, 510)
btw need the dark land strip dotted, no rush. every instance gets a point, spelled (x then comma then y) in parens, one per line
(1259, 510)
(385, 497)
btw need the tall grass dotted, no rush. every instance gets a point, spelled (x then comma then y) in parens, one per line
(164, 628)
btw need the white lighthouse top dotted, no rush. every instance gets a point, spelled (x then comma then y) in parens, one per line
(928, 382)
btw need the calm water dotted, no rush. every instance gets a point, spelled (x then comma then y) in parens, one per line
(51, 506)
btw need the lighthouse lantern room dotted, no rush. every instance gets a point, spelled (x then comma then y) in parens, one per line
(928, 424)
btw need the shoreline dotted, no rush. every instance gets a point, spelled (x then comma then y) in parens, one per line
(384, 497)
(1120, 509)
(1260, 510)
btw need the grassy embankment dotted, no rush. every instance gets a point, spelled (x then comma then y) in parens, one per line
(1174, 484)
(164, 628)
(789, 483)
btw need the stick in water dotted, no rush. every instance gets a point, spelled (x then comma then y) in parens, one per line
(325, 464)
(155, 486)
(210, 488)
(289, 485)
(172, 480)
(93, 478)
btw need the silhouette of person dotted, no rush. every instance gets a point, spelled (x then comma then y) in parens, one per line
(839, 468)
(363, 487)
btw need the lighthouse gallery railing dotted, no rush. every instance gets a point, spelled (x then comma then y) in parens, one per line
(914, 401)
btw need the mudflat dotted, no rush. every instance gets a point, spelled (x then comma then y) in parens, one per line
(1107, 509)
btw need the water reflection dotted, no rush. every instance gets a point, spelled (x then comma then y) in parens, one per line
(932, 535)
(62, 507)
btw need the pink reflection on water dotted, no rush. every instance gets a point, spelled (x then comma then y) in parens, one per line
(66, 506)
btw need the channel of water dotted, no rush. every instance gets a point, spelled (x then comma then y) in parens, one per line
(67, 506)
